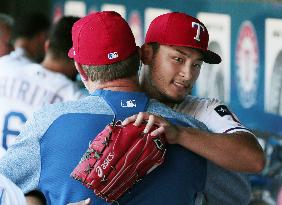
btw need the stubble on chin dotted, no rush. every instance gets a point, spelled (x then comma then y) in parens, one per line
(163, 97)
(154, 92)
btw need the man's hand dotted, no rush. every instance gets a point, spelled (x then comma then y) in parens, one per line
(171, 131)
(118, 157)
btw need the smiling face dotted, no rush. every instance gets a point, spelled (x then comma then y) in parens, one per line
(172, 72)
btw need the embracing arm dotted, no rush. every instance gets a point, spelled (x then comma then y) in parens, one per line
(237, 151)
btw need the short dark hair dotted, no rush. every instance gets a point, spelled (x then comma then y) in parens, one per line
(155, 46)
(29, 25)
(60, 37)
(123, 69)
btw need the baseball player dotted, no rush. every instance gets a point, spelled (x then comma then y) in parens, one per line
(53, 141)
(29, 33)
(6, 24)
(25, 88)
(174, 50)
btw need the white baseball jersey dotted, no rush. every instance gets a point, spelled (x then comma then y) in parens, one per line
(10, 194)
(25, 87)
(222, 186)
(16, 58)
(213, 113)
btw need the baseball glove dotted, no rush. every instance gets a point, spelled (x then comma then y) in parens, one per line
(117, 158)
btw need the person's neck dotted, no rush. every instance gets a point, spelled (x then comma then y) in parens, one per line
(154, 94)
(58, 65)
(124, 84)
(26, 45)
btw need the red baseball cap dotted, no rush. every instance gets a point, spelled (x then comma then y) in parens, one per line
(101, 38)
(180, 29)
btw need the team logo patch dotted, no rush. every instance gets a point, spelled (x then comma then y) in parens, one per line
(128, 103)
(222, 110)
(112, 55)
(199, 29)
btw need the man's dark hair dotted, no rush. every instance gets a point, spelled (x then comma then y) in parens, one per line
(39, 195)
(155, 46)
(60, 37)
(29, 25)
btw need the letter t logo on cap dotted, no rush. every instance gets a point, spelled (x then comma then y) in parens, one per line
(199, 27)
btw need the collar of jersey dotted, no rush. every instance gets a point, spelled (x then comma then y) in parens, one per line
(101, 92)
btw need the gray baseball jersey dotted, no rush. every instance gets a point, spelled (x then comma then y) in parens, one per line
(223, 187)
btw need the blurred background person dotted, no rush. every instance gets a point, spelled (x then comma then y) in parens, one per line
(29, 34)
(24, 89)
(6, 25)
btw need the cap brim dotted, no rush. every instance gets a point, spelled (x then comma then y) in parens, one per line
(211, 57)
(71, 53)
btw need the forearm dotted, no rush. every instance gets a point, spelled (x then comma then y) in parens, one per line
(237, 151)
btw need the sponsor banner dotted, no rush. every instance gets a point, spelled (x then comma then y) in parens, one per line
(214, 80)
(151, 13)
(119, 8)
(75, 8)
(273, 66)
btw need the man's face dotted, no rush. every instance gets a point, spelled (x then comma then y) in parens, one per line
(172, 73)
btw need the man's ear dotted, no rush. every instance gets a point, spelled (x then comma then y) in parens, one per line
(83, 75)
(146, 54)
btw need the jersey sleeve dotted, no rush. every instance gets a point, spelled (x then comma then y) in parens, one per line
(214, 114)
(21, 163)
(184, 118)
(220, 119)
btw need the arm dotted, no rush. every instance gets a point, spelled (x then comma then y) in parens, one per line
(21, 163)
(238, 151)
